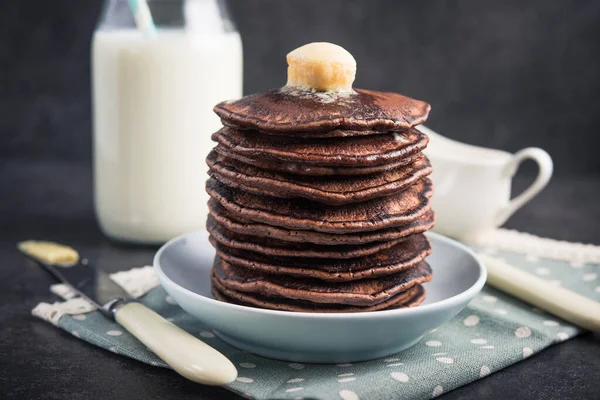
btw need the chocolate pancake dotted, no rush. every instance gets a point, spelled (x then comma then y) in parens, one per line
(315, 170)
(322, 135)
(335, 190)
(296, 112)
(248, 227)
(362, 151)
(400, 257)
(410, 298)
(280, 248)
(380, 213)
(365, 292)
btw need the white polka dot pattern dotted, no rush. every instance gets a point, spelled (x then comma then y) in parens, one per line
(348, 395)
(490, 299)
(394, 364)
(523, 332)
(577, 264)
(471, 320)
(400, 376)
(484, 371)
(542, 271)
(550, 323)
(437, 391)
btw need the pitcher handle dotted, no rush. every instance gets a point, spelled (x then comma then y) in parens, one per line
(544, 162)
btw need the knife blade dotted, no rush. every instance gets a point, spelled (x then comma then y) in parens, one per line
(92, 283)
(186, 354)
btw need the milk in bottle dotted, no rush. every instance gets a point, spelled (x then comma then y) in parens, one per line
(152, 102)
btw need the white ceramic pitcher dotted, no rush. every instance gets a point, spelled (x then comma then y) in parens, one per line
(472, 184)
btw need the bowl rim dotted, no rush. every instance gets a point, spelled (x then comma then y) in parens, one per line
(465, 295)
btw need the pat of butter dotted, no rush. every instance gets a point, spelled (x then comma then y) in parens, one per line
(322, 67)
(49, 252)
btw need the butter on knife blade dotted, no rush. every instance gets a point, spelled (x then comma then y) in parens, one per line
(49, 252)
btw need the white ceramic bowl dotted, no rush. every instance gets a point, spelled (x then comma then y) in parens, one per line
(183, 267)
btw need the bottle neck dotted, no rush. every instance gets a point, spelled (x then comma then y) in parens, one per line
(209, 16)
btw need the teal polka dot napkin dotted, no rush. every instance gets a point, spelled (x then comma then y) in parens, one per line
(494, 331)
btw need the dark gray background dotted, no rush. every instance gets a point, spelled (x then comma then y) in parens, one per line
(500, 73)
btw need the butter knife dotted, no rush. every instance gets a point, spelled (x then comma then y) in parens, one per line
(564, 303)
(186, 354)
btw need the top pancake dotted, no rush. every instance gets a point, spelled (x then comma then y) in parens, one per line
(293, 112)
(365, 151)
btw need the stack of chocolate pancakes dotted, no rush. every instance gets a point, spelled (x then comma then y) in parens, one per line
(319, 201)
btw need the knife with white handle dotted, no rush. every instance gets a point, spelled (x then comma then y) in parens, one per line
(186, 354)
(570, 306)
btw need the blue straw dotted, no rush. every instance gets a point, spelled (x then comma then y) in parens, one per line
(143, 17)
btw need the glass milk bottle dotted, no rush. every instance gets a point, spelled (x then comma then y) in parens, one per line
(152, 103)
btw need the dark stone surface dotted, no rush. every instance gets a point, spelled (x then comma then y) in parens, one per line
(502, 73)
(52, 200)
